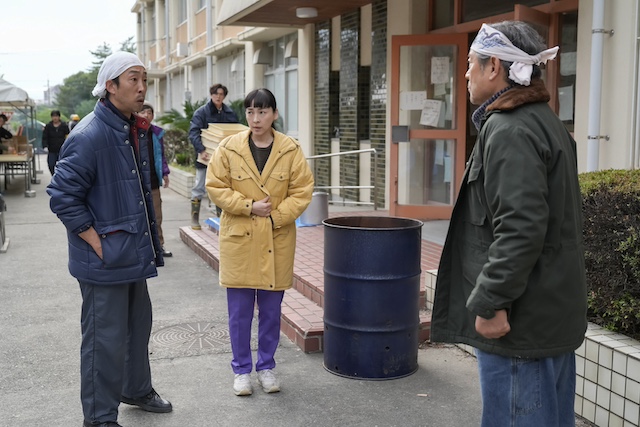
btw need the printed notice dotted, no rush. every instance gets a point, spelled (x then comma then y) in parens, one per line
(439, 69)
(412, 100)
(431, 109)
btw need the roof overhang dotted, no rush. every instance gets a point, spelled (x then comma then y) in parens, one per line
(224, 47)
(262, 34)
(282, 13)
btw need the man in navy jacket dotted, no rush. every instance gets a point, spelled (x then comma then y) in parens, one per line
(101, 191)
(214, 111)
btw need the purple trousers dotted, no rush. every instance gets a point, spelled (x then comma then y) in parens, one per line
(241, 304)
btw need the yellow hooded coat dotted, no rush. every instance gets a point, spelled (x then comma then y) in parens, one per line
(258, 252)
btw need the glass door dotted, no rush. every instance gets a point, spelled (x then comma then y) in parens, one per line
(428, 120)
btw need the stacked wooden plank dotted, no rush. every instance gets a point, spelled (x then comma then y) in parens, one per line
(215, 133)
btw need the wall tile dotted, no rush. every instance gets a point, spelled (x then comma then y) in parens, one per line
(602, 416)
(633, 368)
(580, 365)
(579, 385)
(592, 351)
(590, 390)
(631, 412)
(591, 371)
(632, 391)
(618, 383)
(604, 377)
(605, 357)
(603, 397)
(589, 411)
(614, 421)
(617, 405)
(620, 362)
(577, 405)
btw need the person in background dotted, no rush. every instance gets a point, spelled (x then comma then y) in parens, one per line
(74, 119)
(160, 170)
(53, 136)
(511, 280)
(4, 133)
(101, 192)
(214, 111)
(257, 232)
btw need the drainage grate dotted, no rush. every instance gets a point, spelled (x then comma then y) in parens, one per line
(193, 336)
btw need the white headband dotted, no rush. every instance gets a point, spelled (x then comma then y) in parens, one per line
(112, 67)
(492, 42)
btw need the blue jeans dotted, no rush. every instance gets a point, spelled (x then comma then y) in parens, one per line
(520, 392)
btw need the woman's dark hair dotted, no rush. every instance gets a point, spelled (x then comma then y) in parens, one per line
(55, 113)
(260, 98)
(524, 37)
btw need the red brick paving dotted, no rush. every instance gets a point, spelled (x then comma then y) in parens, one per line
(302, 313)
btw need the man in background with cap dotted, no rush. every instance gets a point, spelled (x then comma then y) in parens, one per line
(511, 281)
(53, 136)
(102, 194)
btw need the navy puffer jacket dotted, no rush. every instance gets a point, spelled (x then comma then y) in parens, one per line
(97, 183)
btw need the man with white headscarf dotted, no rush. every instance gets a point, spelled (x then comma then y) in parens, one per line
(511, 281)
(102, 194)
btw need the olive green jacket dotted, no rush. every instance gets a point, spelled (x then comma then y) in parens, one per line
(515, 239)
(258, 252)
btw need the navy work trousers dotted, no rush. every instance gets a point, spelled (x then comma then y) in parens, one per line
(114, 356)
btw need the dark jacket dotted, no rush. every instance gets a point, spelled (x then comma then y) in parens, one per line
(515, 239)
(5, 134)
(160, 167)
(53, 137)
(99, 181)
(204, 115)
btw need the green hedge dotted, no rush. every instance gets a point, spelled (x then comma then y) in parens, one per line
(611, 207)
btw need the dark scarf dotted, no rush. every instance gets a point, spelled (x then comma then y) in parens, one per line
(478, 115)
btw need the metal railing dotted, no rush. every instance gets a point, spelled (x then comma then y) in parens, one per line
(349, 187)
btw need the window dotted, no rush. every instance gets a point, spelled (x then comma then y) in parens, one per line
(478, 9)
(281, 78)
(182, 11)
(567, 68)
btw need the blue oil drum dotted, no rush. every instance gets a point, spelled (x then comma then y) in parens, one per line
(371, 296)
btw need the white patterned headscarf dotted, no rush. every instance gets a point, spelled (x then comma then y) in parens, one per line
(492, 42)
(114, 65)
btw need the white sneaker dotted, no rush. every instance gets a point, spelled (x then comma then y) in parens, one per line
(267, 379)
(242, 385)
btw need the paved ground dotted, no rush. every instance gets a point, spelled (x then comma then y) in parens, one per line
(190, 352)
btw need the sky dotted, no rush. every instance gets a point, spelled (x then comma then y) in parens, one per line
(46, 41)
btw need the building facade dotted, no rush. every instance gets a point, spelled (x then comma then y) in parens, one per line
(388, 75)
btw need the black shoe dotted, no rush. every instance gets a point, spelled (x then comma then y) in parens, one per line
(166, 253)
(107, 424)
(151, 402)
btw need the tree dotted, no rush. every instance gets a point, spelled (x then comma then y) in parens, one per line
(100, 54)
(179, 121)
(74, 90)
(128, 45)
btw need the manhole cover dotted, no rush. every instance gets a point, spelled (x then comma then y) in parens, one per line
(193, 336)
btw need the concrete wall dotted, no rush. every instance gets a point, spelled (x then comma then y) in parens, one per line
(618, 80)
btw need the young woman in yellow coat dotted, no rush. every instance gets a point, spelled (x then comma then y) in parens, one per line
(261, 180)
